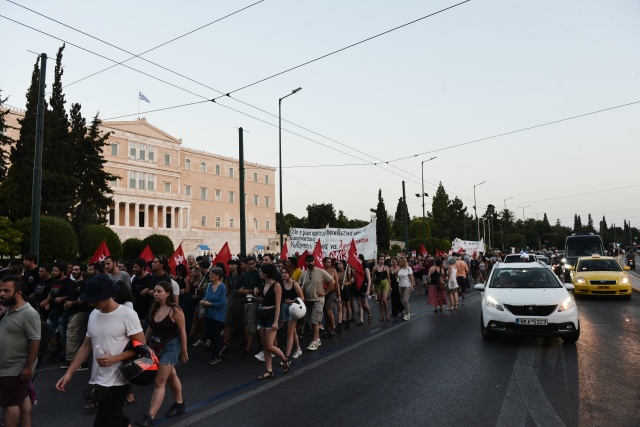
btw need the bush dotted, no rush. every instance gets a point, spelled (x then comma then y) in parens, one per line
(10, 238)
(132, 248)
(58, 240)
(159, 244)
(92, 236)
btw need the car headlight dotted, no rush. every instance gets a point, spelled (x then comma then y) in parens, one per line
(491, 302)
(581, 281)
(566, 305)
(624, 281)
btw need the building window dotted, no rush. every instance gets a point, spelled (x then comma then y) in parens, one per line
(230, 172)
(232, 196)
(142, 152)
(267, 225)
(255, 177)
(231, 223)
(203, 167)
(152, 154)
(187, 190)
(114, 149)
(256, 224)
(203, 193)
(167, 187)
(167, 159)
(256, 199)
(132, 179)
(217, 222)
(114, 182)
(151, 182)
(133, 150)
(267, 201)
(266, 178)
(218, 195)
(203, 221)
(187, 164)
(217, 169)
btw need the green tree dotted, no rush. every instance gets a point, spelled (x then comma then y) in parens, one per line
(459, 220)
(5, 141)
(92, 194)
(10, 238)
(91, 237)
(383, 226)
(159, 244)
(590, 225)
(58, 240)
(397, 227)
(16, 188)
(132, 248)
(440, 212)
(319, 216)
(577, 224)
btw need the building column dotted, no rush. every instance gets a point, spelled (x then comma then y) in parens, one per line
(187, 213)
(136, 209)
(146, 215)
(155, 216)
(116, 213)
(180, 212)
(126, 214)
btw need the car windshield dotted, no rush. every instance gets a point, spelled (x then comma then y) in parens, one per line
(524, 278)
(584, 245)
(517, 258)
(598, 265)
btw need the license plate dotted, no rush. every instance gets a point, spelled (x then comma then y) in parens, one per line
(603, 287)
(531, 321)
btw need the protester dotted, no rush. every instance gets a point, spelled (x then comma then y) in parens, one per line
(268, 316)
(19, 343)
(345, 281)
(57, 318)
(290, 291)
(331, 299)
(396, 301)
(382, 280)
(437, 289)
(462, 271)
(452, 284)
(235, 316)
(363, 293)
(215, 304)
(77, 313)
(111, 267)
(406, 285)
(31, 276)
(313, 282)
(41, 292)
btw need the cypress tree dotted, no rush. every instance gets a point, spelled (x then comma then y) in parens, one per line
(382, 224)
(440, 212)
(5, 142)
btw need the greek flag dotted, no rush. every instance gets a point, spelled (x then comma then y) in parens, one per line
(141, 97)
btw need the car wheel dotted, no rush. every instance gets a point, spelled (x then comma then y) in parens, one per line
(486, 334)
(573, 337)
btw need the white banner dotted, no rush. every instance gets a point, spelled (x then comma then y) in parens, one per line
(468, 245)
(335, 241)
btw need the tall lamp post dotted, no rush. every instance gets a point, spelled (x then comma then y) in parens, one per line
(538, 228)
(506, 225)
(280, 163)
(475, 210)
(525, 228)
(424, 218)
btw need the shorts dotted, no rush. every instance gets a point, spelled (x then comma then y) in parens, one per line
(346, 293)
(170, 352)
(269, 320)
(382, 287)
(235, 316)
(250, 310)
(360, 293)
(284, 312)
(314, 311)
(462, 283)
(331, 301)
(13, 391)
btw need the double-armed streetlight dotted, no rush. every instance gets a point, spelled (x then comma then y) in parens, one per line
(280, 163)
(424, 219)
(475, 209)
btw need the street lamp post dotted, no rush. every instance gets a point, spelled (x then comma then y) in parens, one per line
(538, 228)
(524, 227)
(523, 212)
(506, 225)
(475, 209)
(424, 218)
(280, 163)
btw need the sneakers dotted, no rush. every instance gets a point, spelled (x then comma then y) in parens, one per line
(329, 334)
(198, 343)
(260, 356)
(407, 317)
(65, 365)
(297, 353)
(208, 344)
(214, 360)
(83, 367)
(146, 421)
(176, 409)
(314, 345)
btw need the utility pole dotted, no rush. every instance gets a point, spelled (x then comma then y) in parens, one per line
(406, 219)
(34, 242)
(475, 210)
(243, 225)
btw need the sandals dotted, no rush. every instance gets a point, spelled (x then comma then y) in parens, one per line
(359, 322)
(266, 375)
(370, 319)
(286, 365)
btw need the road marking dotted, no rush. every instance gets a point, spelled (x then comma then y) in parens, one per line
(525, 393)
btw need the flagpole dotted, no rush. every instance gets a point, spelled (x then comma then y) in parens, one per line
(138, 104)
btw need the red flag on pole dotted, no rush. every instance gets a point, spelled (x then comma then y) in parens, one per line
(302, 263)
(224, 256)
(285, 251)
(423, 250)
(317, 255)
(355, 263)
(147, 254)
(177, 258)
(101, 253)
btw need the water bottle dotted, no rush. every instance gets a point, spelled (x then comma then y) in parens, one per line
(100, 352)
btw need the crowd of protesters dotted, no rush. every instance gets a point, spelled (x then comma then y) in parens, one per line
(245, 299)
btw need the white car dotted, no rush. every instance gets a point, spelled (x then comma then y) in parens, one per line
(526, 298)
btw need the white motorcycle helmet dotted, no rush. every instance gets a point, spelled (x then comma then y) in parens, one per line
(297, 310)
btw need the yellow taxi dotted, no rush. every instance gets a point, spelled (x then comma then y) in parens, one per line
(600, 275)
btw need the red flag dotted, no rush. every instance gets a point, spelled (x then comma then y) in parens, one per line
(101, 253)
(302, 263)
(423, 250)
(224, 256)
(285, 251)
(177, 258)
(355, 263)
(460, 251)
(317, 255)
(146, 254)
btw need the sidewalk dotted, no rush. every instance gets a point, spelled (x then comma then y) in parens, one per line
(634, 276)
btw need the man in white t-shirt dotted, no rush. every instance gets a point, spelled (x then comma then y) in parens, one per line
(111, 327)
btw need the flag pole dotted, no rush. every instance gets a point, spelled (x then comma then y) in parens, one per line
(138, 104)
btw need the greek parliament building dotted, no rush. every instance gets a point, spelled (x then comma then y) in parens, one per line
(191, 196)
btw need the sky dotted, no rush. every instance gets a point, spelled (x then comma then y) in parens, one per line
(455, 86)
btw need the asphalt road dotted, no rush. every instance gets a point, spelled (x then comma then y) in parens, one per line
(432, 370)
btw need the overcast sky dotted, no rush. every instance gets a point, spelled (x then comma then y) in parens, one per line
(480, 69)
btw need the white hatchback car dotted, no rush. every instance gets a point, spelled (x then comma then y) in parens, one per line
(527, 299)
